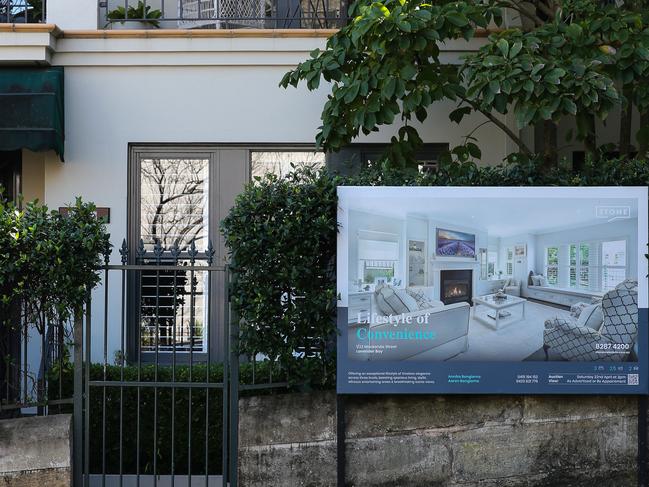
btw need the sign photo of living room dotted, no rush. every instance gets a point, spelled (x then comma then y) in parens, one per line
(491, 274)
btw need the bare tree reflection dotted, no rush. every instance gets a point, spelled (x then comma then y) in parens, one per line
(174, 214)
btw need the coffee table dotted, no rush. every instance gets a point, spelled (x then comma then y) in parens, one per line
(501, 309)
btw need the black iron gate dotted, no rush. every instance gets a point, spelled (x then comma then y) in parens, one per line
(155, 403)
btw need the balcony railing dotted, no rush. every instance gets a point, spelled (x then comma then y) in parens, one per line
(22, 11)
(222, 14)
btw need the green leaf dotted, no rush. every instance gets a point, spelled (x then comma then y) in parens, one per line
(408, 71)
(458, 114)
(457, 19)
(515, 49)
(524, 115)
(503, 47)
(570, 106)
(474, 150)
(389, 88)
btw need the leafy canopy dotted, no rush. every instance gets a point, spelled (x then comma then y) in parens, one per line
(386, 65)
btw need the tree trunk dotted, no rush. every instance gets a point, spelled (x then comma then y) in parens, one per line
(550, 157)
(590, 141)
(626, 119)
(643, 143)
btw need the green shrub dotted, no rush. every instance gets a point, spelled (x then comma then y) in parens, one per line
(48, 260)
(281, 234)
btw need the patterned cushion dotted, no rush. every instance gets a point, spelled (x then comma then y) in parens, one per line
(543, 281)
(536, 280)
(393, 301)
(423, 302)
(591, 316)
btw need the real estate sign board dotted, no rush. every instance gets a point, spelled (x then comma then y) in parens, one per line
(492, 290)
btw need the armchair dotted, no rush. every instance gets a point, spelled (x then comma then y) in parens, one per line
(572, 340)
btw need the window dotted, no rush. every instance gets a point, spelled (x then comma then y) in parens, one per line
(584, 266)
(509, 264)
(593, 266)
(377, 260)
(177, 196)
(174, 211)
(281, 163)
(613, 264)
(573, 265)
(552, 265)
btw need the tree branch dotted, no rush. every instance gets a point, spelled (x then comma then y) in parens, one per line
(517, 140)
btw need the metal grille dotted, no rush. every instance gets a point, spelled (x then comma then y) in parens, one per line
(226, 14)
(22, 11)
(243, 13)
(169, 300)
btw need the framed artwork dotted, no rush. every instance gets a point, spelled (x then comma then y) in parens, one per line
(451, 243)
(520, 250)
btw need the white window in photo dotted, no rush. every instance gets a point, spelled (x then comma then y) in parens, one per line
(377, 260)
(614, 262)
(552, 265)
(509, 265)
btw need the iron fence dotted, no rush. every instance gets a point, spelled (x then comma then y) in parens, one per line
(154, 401)
(22, 11)
(223, 14)
(34, 352)
(158, 399)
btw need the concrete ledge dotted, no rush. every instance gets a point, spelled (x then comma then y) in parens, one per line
(36, 451)
(511, 441)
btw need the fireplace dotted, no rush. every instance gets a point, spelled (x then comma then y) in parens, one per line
(456, 286)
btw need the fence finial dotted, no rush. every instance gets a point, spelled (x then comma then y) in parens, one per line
(123, 251)
(193, 252)
(141, 251)
(175, 252)
(157, 250)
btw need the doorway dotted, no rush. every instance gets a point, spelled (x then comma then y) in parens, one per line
(10, 174)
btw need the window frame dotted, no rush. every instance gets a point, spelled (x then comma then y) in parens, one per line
(594, 270)
(547, 264)
(133, 346)
(601, 259)
(509, 261)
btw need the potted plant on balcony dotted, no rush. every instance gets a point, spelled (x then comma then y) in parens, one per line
(119, 18)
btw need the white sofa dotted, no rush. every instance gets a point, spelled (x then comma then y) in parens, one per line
(449, 322)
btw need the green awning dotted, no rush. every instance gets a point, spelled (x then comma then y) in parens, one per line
(31, 109)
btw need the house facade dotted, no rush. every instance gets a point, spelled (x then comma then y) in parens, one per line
(161, 123)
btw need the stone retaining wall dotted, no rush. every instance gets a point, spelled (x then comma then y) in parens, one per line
(36, 452)
(290, 440)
